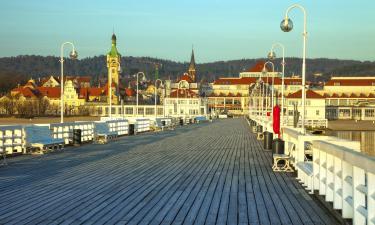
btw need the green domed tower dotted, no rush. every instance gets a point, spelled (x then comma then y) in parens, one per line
(113, 65)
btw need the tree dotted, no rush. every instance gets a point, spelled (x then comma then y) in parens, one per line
(43, 106)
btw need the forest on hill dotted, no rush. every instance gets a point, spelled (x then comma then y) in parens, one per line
(17, 70)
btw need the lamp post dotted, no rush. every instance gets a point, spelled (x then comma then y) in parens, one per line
(155, 94)
(137, 89)
(272, 56)
(73, 55)
(264, 71)
(286, 26)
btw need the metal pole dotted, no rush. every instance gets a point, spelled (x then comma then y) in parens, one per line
(282, 78)
(62, 79)
(137, 97)
(304, 34)
(62, 87)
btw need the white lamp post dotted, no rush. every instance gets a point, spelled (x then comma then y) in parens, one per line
(264, 71)
(137, 89)
(272, 56)
(155, 94)
(286, 26)
(73, 55)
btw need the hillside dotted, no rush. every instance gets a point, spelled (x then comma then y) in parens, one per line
(14, 70)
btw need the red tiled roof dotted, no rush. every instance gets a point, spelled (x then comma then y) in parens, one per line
(235, 81)
(309, 94)
(96, 91)
(50, 92)
(130, 92)
(186, 78)
(351, 82)
(258, 67)
(183, 93)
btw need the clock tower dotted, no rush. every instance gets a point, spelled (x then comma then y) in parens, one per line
(114, 69)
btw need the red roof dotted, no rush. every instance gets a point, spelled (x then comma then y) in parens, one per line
(186, 78)
(351, 82)
(50, 92)
(130, 92)
(258, 67)
(95, 91)
(183, 93)
(309, 94)
(235, 81)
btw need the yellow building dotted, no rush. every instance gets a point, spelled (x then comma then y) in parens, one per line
(114, 69)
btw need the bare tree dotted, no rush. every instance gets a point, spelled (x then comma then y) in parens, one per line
(43, 105)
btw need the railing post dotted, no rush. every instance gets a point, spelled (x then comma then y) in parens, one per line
(371, 198)
(322, 172)
(359, 196)
(337, 199)
(347, 190)
(329, 178)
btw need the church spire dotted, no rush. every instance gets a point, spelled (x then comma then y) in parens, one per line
(114, 52)
(192, 70)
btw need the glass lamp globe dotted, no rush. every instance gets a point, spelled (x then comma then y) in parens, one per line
(286, 25)
(73, 54)
(271, 55)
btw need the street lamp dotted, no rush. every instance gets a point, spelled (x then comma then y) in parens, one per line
(161, 82)
(137, 88)
(73, 55)
(264, 71)
(286, 26)
(272, 56)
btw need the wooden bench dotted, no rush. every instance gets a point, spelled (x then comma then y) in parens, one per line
(39, 139)
(284, 168)
(102, 133)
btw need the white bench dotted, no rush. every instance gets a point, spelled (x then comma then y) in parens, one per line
(284, 168)
(39, 138)
(103, 133)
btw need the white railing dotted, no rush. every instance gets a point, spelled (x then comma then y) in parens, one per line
(314, 123)
(337, 170)
(347, 179)
(11, 139)
(140, 124)
(65, 131)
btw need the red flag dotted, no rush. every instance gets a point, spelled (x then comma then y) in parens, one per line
(276, 119)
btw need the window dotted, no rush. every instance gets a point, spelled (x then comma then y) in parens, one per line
(336, 83)
(317, 112)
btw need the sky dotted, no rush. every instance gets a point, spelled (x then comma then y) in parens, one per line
(167, 29)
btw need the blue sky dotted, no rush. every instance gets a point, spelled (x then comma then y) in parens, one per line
(219, 30)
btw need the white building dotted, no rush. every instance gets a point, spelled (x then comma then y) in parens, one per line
(315, 108)
(185, 103)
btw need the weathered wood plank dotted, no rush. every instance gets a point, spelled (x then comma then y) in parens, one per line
(214, 173)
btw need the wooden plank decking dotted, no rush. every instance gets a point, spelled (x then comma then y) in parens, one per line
(214, 173)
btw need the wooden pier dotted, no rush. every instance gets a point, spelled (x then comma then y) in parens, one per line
(212, 173)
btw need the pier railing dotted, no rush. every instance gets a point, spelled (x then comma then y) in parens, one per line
(347, 179)
(11, 139)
